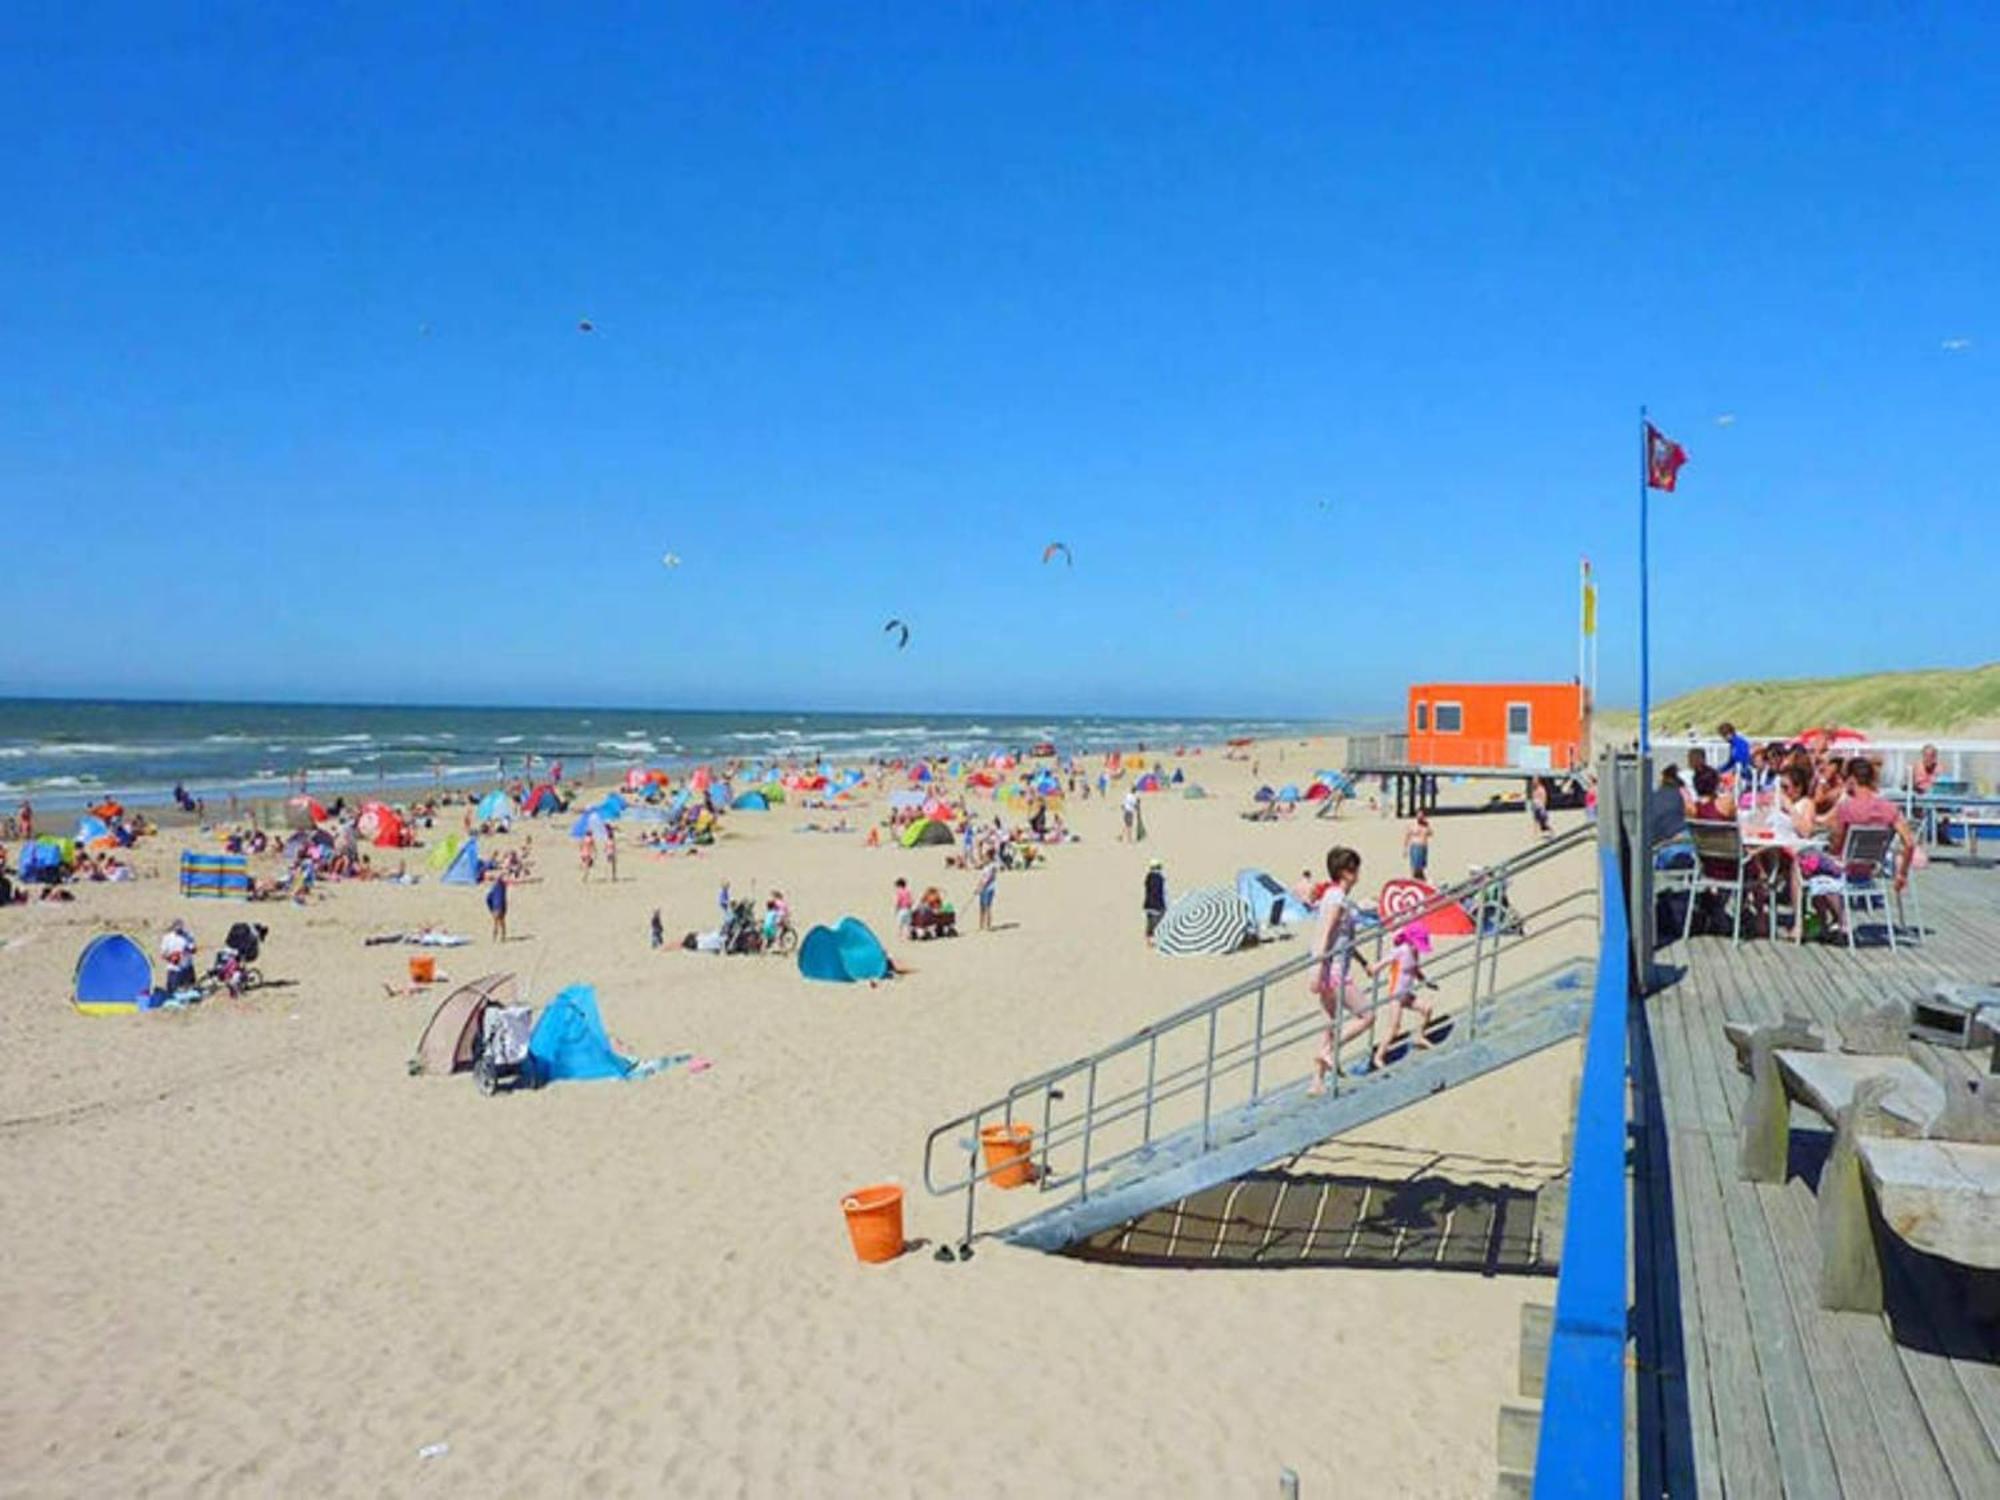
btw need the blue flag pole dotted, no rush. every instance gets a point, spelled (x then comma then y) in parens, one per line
(1645, 608)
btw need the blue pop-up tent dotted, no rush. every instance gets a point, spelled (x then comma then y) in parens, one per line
(569, 1040)
(752, 802)
(113, 975)
(611, 808)
(464, 866)
(844, 954)
(495, 807)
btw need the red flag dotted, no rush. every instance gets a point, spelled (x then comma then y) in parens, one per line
(1664, 458)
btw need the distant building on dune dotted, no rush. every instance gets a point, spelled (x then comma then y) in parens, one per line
(1534, 726)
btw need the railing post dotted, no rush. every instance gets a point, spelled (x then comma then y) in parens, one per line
(1257, 1050)
(1208, 1080)
(1089, 1113)
(1152, 1071)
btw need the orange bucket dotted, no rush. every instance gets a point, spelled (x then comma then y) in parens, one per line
(423, 968)
(875, 1221)
(1007, 1149)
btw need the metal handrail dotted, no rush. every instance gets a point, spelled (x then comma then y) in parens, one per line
(1483, 893)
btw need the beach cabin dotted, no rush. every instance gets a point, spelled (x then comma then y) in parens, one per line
(1536, 726)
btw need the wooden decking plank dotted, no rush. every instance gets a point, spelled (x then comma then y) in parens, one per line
(1860, 1446)
(1867, 1347)
(1971, 1347)
(1961, 1438)
(1805, 1454)
(1747, 1452)
(1679, 1139)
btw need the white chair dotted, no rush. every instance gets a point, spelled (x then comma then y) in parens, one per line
(1864, 882)
(1719, 844)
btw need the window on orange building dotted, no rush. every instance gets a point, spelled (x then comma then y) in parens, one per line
(1423, 718)
(1450, 719)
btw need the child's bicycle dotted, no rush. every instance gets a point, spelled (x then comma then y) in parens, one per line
(785, 941)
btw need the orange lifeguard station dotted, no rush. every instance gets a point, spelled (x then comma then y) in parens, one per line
(1532, 726)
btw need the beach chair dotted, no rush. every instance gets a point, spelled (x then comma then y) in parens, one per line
(1718, 845)
(1864, 882)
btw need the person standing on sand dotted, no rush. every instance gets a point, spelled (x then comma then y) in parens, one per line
(1126, 834)
(904, 903)
(496, 902)
(611, 851)
(1333, 957)
(659, 930)
(1417, 843)
(1538, 804)
(989, 880)
(1155, 903)
(586, 854)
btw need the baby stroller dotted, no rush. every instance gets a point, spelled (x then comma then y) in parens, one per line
(742, 932)
(501, 1049)
(1492, 910)
(233, 969)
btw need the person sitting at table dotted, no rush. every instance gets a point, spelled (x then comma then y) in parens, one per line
(1866, 807)
(1924, 775)
(1711, 803)
(1697, 763)
(1860, 806)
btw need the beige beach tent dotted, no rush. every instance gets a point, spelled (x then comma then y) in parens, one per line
(446, 1045)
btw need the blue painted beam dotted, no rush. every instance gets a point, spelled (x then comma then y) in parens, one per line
(1581, 1451)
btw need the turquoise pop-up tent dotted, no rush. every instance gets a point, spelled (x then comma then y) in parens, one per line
(495, 807)
(843, 955)
(569, 1040)
(464, 866)
(751, 802)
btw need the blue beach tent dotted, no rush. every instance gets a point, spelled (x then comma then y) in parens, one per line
(587, 824)
(495, 807)
(843, 955)
(91, 828)
(569, 1040)
(752, 802)
(611, 808)
(113, 975)
(464, 866)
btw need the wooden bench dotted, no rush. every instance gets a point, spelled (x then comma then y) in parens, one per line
(1926, 1148)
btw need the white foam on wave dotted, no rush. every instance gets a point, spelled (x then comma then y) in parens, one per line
(508, 739)
(331, 773)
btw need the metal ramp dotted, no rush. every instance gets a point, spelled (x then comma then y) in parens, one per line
(1218, 1088)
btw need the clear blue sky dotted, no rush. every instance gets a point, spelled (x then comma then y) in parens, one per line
(1317, 331)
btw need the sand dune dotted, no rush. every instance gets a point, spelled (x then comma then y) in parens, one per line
(247, 1254)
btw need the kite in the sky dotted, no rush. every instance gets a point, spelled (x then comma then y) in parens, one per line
(1727, 419)
(584, 325)
(897, 625)
(1956, 346)
(671, 560)
(1053, 548)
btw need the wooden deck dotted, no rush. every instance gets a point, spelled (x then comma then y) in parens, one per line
(1743, 1386)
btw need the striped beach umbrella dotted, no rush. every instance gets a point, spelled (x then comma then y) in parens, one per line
(1213, 919)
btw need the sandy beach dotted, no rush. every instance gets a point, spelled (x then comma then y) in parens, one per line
(247, 1254)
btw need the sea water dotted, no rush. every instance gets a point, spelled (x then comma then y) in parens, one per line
(65, 752)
